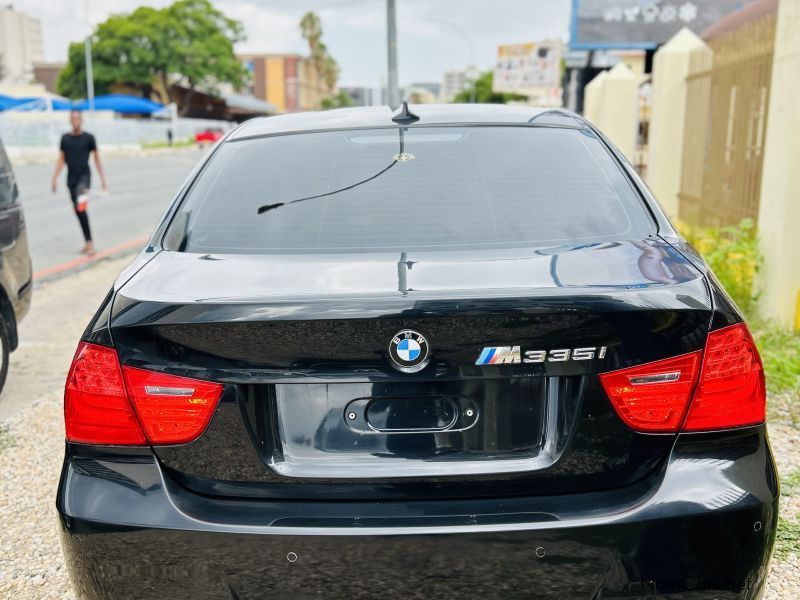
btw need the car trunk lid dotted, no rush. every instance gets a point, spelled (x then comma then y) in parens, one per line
(510, 402)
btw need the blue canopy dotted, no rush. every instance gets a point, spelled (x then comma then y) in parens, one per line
(121, 103)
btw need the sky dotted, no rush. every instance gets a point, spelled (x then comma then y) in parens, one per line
(433, 35)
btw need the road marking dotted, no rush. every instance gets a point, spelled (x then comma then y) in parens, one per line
(83, 260)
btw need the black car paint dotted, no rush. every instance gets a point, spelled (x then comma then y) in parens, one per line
(693, 516)
(279, 344)
(16, 273)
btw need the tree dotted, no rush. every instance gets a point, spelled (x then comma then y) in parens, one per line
(340, 100)
(325, 66)
(189, 43)
(484, 93)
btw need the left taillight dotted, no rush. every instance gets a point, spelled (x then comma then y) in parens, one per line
(106, 404)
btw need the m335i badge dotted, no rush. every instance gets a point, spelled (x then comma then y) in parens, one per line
(511, 355)
(409, 351)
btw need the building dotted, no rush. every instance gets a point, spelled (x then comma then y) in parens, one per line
(287, 81)
(47, 75)
(419, 94)
(362, 96)
(433, 87)
(20, 45)
(455, 81)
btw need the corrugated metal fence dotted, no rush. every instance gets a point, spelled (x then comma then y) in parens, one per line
(726, 116)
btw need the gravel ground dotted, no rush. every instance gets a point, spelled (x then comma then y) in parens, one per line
(32, 434)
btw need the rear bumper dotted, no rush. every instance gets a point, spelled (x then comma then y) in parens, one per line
(702, 528)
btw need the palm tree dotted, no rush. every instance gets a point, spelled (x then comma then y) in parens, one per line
(324, 65)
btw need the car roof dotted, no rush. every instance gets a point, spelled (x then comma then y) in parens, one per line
(381, 116)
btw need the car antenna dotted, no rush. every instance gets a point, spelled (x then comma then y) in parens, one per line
(404, 116)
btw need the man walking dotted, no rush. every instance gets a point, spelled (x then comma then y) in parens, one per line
(76, 146)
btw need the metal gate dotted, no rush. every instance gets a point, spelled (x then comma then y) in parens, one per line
(726, 116)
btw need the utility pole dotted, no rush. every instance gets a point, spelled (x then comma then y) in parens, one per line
(391, 31)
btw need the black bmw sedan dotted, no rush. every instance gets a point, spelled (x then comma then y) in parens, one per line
(450, 352)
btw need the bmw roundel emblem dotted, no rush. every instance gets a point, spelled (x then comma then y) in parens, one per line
(409, 351)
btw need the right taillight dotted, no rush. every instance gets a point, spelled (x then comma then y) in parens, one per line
(720, 389)
(107, 404)
(731, 391)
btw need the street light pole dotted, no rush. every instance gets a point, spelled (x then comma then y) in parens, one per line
(89, 74)
(89, 70)
(391, 31)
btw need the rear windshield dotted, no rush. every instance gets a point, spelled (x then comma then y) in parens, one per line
(396, 189)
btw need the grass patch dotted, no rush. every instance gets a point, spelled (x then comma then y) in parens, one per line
(6, 439)
(780, 352)
(790, 486)
(175, 144)
(787, 539)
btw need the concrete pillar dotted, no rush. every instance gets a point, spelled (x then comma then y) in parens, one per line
(779, 210)
(616, 107)
(592, 98)
(668, 116)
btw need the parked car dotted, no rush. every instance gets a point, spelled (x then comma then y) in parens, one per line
(208, 136)
(15, 264)
(454, 352)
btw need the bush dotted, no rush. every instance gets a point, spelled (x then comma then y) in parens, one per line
(732, 253)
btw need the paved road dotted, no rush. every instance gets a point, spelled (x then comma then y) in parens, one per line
(141, 188)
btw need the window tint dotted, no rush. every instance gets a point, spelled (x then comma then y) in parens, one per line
(415, 189)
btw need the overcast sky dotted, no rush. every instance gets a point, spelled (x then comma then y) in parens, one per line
(355, 30)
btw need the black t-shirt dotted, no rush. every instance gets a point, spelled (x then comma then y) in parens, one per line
(76, 149)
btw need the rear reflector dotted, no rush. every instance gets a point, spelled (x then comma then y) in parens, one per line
(106, 404)
(719, 388)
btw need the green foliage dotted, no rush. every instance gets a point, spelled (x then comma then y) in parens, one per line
(732, 253)
(340, 100)
(779, 349)
(484, 93)
(188, 43)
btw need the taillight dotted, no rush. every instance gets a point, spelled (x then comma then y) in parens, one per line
(652, 397)
(172, 410)
(731, 392)
(719, 388)
(106, 404)
(96, 408)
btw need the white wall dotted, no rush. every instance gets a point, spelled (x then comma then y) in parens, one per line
(779, 208)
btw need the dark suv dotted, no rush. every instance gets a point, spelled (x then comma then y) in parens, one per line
(453, 354)
(15, 264)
